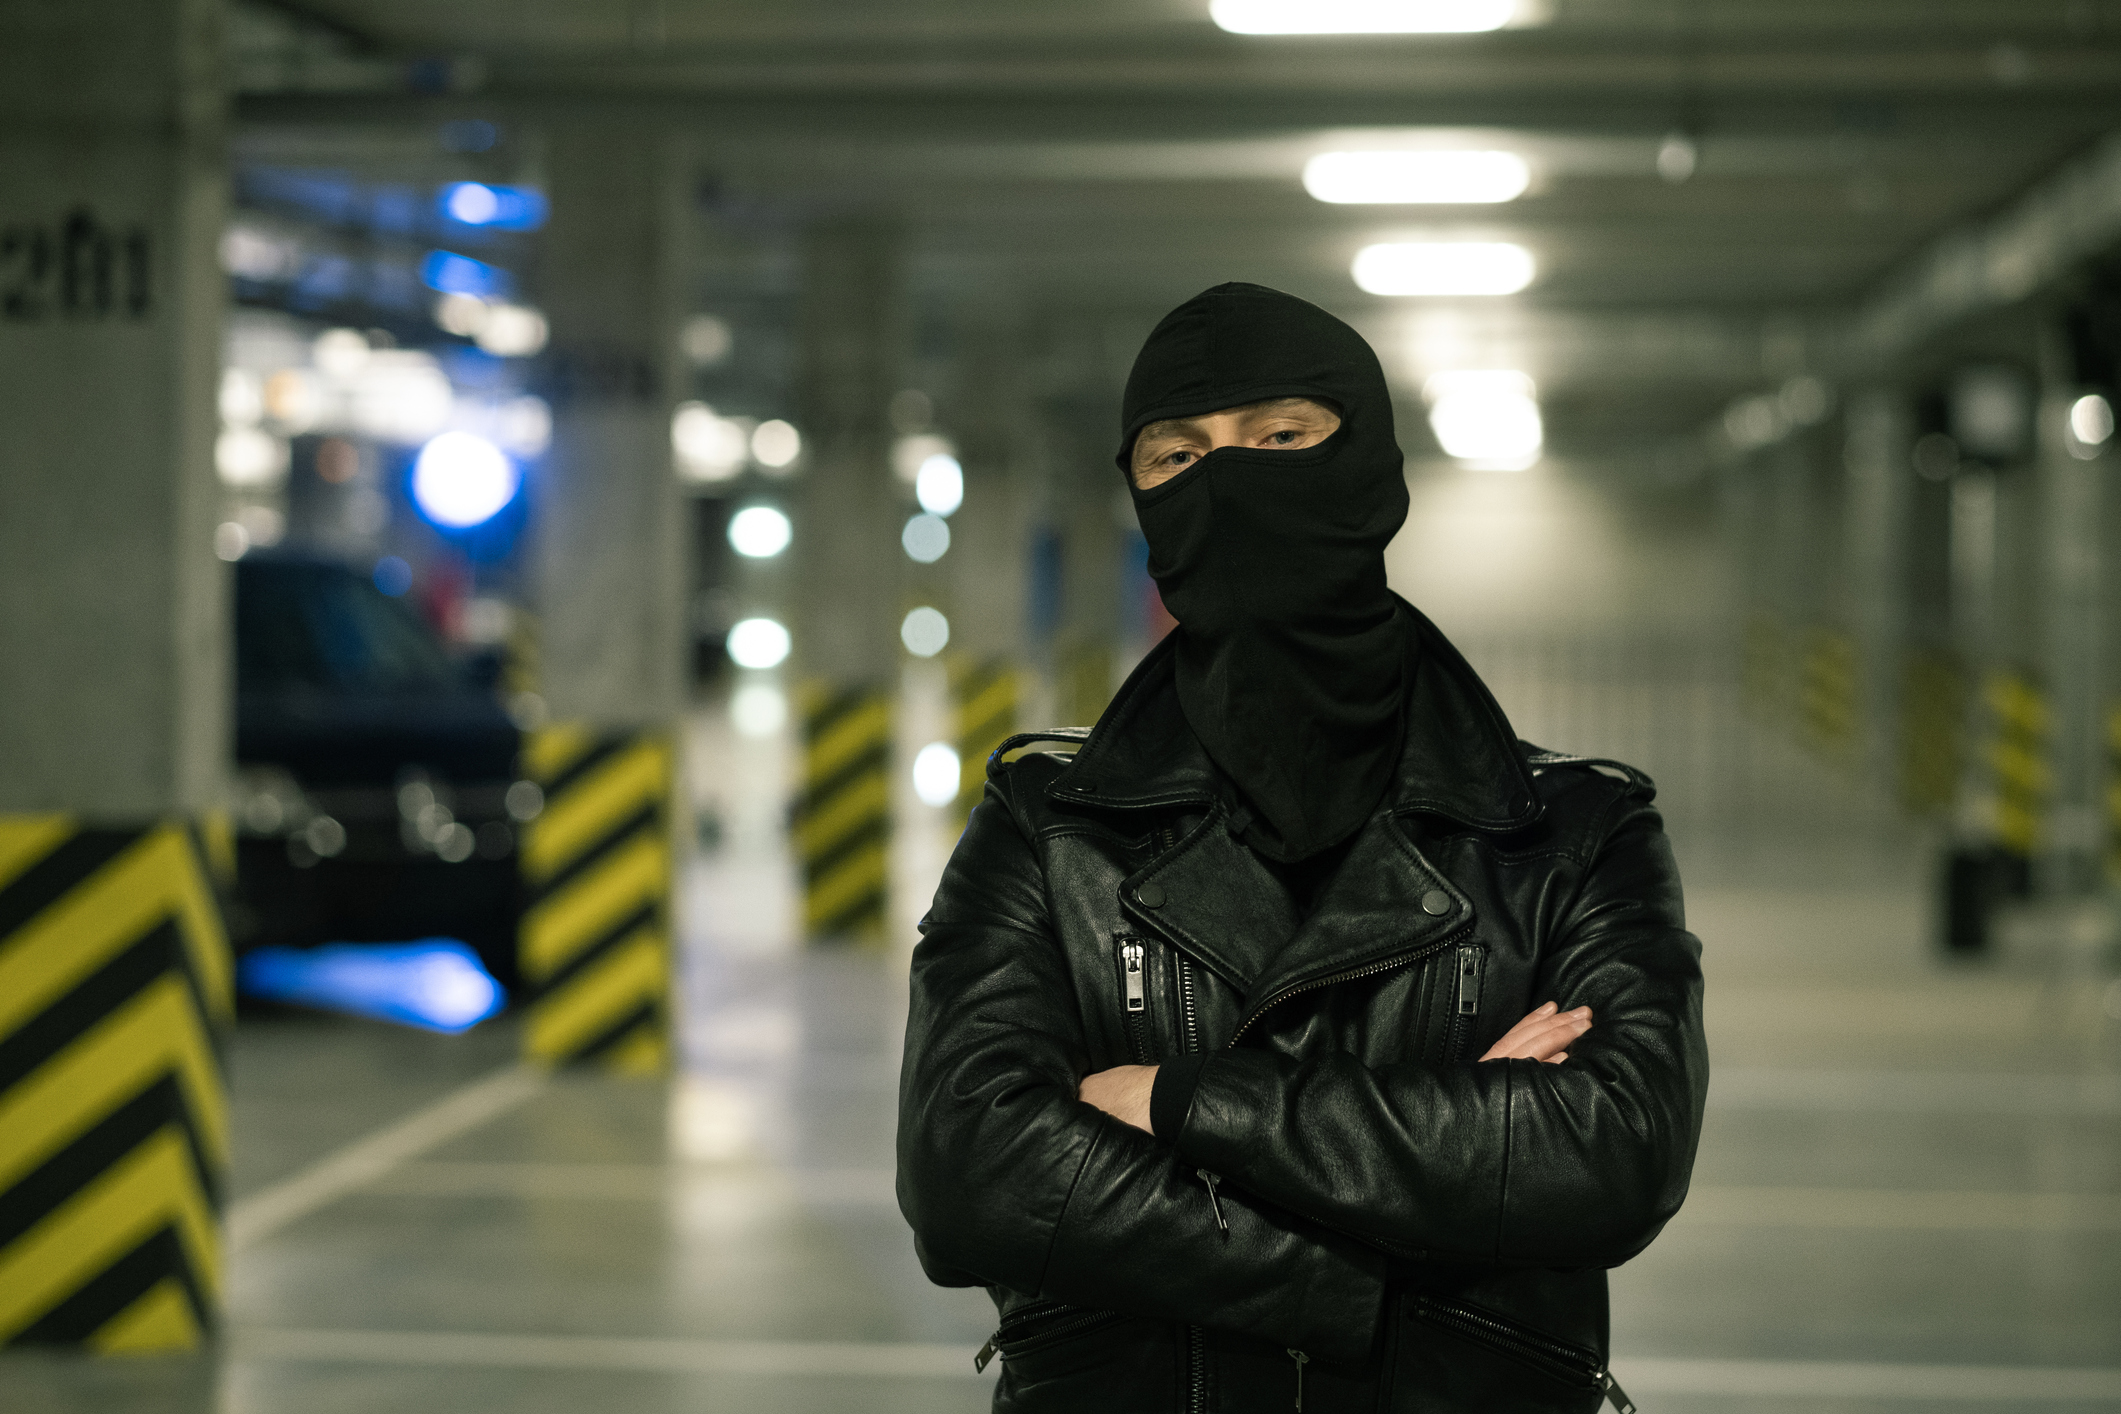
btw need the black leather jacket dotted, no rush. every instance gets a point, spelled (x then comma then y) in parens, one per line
(1349, 1200)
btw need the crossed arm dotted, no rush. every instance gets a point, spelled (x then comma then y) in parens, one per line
(1009, 1178)
(1545, 1034)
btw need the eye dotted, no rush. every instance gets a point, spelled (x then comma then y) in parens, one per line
(1285, 437)
(1178, 458)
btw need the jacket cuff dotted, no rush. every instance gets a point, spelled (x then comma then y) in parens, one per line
(1172, 1096)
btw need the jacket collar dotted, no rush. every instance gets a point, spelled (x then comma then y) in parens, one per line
(1213, 897)
(1460, 758)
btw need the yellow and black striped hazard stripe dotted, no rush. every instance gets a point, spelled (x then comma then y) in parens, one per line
(115, 983)
(2018, 755)
(1827, 692)
(594, 946)
(842, 818)
(985, 695)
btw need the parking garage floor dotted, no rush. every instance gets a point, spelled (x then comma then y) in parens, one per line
(1908, 1196)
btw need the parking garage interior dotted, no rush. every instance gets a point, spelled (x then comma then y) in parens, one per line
(523, 525)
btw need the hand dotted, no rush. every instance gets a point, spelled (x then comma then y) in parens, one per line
(1121, 1092)
(1544, 1035)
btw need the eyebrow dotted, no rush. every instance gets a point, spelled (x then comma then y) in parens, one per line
(1172, 427)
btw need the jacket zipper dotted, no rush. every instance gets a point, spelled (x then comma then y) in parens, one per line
(1134, 993)
(1189, 1012)
(1046, 1336)
(1301, 1360)
(1465, 1014)
(1528, 1347)
(1334, 979)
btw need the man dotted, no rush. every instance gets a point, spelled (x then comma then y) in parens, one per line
(1215, 1074)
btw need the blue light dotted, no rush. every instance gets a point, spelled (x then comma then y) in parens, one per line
(455, 274)
(436, 984)
(461, 480)
(392, 575)
(497, 208)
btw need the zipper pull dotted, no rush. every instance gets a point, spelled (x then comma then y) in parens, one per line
(1301, 1360)
(1214, 1202)
(981, 1361)
(1469, 981)
(1130, 961)
(1613, 1393)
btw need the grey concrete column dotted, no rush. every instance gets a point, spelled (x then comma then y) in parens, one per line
(849, 512)
(988, 564)
(2073, 654)
(1875, 547)
(599, 863)
(610, 529)
(851, 576)
(114, 672)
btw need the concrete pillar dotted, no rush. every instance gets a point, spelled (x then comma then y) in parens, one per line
(1880, 483)
(1082, 493)
(110, 317)
(2073, 654)
(988, 564)
(849, 572)
(610, 533)
(114, 672)
(610, 589)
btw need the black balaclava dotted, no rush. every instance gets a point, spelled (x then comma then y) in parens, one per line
(1290, 651)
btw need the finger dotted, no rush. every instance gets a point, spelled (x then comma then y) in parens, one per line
(1556, 1059)
(1541, 1030)
(1558, 1032)
(1530, 1026)
(1547, 1041)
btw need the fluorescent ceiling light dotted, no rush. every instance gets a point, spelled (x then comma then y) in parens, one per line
(1443, 268)
(1362, 16)
(1377, 177)
(1487, 418)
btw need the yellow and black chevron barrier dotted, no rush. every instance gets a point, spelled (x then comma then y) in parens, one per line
(594, 945)
(842, 818)
(1827, 693)
(2018, 755)
(115, 982)
(1932, 731)
(985, 696)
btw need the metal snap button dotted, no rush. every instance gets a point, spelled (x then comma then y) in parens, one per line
(1436, 903)
(1149, 896)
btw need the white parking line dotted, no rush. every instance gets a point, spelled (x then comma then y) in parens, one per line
(2010, 1385)
(510, 1178)
(1914, 1092)
(573, 1352)
(365, 1160)
(1901, 1209)
(1800, 1379)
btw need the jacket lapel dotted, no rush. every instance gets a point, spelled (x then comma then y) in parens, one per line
(1216, 901)
(1383, 902)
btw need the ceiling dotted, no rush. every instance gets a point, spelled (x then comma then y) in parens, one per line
(1115, 155)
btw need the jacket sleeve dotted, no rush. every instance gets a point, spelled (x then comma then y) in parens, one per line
(1008, 1179)
(1520, 1162)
